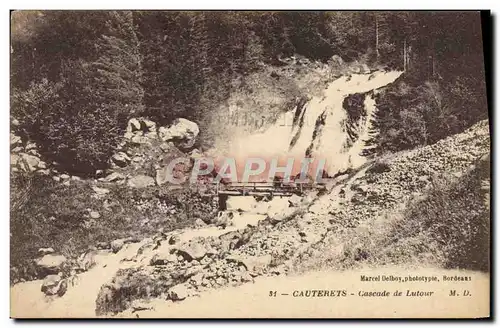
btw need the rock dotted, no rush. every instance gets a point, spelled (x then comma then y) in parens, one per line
(294, 200)
(220, 281)
(141, 181)
(30, 161)
(150, 125)
(113, 177)
(14, 122)
(199, 223)
(133, 125)
(42, 165)
(50, 264)
(180, 170)
(192, 251)
(100, 191)
(103, 245)
(33, 152)
(95, 215)
(195, 153)
(182, 132)
(166, 146)
(64, 177)
(54, 285)
(120, 159)
(151, 135)
(178, 292)
(14, 159)
(45, 251)
(86, 261)
(140, 139)
(173, 239)
(14, 139)
(128, 135)
(162, 175)
(197, 279)
(163, 259)
(66, 183)
(30, 145)
(56, 178)
(246, 277)
(117, 245)
(252, 263)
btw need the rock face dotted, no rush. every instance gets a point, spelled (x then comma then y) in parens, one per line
(182, 132)
(54, 285)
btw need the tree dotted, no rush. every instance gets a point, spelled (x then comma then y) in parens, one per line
(119, 67)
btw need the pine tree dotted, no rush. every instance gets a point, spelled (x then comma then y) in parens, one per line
(119, 67)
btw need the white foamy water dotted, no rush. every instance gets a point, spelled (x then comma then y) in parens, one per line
(331, 140)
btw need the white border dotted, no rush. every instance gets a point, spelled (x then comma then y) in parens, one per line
(187, 4)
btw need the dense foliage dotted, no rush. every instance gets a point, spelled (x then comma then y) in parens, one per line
(77, 76)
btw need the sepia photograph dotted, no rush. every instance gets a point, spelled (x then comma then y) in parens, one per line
(250, 164)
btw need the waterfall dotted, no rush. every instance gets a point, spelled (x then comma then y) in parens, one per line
(318, 127)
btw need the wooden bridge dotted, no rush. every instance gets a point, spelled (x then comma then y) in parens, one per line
(270, 189)
(265, 188)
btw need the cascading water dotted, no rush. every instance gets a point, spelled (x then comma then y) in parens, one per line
(318, 128)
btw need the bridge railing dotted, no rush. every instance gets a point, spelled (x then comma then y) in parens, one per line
(266, 187)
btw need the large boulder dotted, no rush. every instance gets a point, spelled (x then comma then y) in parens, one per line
(54, 285)
(141, 181)
(50, 264)
(31, 162)
(182, 132)
(180, 172)
(170, 153)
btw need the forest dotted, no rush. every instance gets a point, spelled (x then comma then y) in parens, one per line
(78, 76)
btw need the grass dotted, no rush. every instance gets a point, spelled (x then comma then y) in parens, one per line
(45, 213)
(448, 227)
